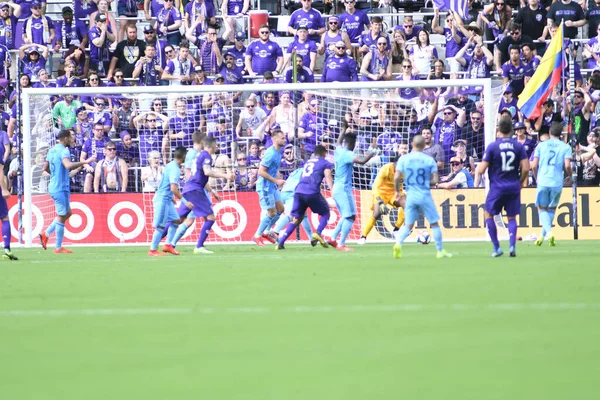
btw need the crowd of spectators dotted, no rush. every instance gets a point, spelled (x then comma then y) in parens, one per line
(198, 42)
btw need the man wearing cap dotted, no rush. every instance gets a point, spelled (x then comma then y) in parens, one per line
(341, 67)
(460, 178)
(38, 28)
(127, 53)
(522, 137)
(197, 16)
(128, 151)
(309, 18)
(101, 38)
(31, 59)
(82, 127)
(354, 21)
(238, 51)
(289, 161)
(227, 68)
(448, 127)
(65, 112)
(70, 32)
(509, 103)
(478, 64)
(148, 69)
(462, 101)
(474, 134)
(303, 47)
(8, 23)
(160, 47)
(263, 55)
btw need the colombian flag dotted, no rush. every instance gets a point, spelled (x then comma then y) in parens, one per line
(547, 75)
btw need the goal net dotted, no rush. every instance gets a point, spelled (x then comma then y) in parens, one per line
(112, 200)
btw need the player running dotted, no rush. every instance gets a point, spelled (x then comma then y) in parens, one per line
(287, 197)
(342, 188)
(549, 160)
(308, 195)
(508, 171)
(164, 206)
(419, 173)
(58, 164)
(383, 196)
(6, 228)
(195, 193)
(267, 186)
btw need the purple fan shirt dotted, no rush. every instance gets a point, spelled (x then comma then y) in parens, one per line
(149, 141)
(354, 24)
(312, 19)
(264, 56)
(451, 46)
(37, 29)
(445, 135)
(341, 69)
(303, 50)
(516, 76)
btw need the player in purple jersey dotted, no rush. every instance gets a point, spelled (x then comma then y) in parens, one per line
(308, 195)
(508, 171)
(195, 191)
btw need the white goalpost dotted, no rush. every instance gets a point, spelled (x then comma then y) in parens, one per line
(374, 110)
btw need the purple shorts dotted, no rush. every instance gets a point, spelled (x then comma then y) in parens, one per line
(3, 208)
(201, 202)
(316, 202)
(510, 202)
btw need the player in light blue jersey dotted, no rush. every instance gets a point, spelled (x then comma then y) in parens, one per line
(550, 159)
(342, 188)
(58, 164)
(287, 197)
(190, 159)
(164, 207)
(267, 186)
(419, 172)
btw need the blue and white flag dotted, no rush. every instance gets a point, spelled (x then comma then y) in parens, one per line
(459, 6)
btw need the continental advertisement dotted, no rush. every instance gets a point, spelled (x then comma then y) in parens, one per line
(461, 214)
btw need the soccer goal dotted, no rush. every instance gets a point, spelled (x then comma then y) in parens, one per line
(111, 205)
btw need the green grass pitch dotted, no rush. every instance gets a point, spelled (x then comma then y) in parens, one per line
(307, 323)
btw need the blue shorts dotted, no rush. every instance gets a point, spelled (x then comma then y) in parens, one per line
(62, 202)
(191, 213)
(201, 202)
(509, 202)
(3, 208)
(164, 211)
(412, 208)
(345, 203)
(548, 196)
(288, 202)
(316, 202)
(268, 198)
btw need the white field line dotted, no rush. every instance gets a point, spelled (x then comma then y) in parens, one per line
(411, 308)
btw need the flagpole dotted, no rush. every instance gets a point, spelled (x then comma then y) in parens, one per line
(573, 141)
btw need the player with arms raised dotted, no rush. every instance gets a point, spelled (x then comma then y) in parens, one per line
(508, 171)
(419, 173)
(267, 186)
(549, 160)
(384, 195)
(58, 164)
(308, 195)
(195, 193)
(342, 188)
(164, 206)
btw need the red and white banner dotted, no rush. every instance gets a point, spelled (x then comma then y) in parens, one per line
(127, 218)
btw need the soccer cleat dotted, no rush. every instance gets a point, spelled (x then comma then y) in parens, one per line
(270, 237)
(62, 250)
(167, 248)
(551, 241)
(331, 242)
(362, 240)
(344, 248)
(204, 250)
(314, 242)
(317, 236)
(512, 252)
(44, 240)
(156, 253)
(443, 254)
(280, 246)
(397, 250)
(497, 253)
(258, 240)
(8, 255)
(539, 242)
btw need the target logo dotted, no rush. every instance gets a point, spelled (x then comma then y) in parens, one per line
(231, 219)
(126, 220)
(37, 223)
(334, 217)
(81, 223)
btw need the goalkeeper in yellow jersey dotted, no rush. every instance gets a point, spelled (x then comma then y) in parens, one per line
(384, 195)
